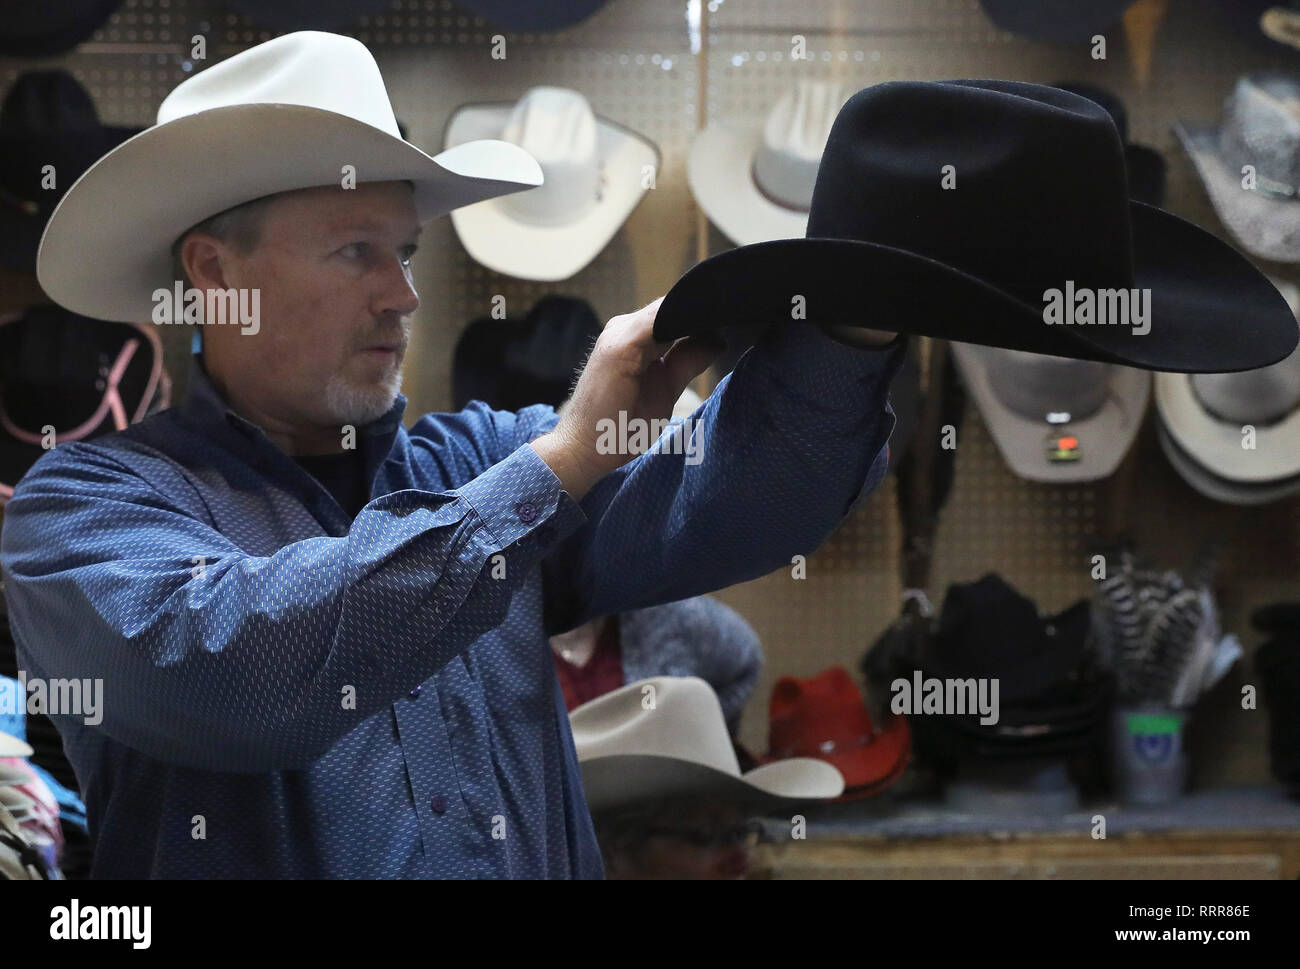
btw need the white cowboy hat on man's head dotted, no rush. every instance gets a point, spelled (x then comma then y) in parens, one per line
(755, 182)
(595, 175)
(284, 115)
(666, 737)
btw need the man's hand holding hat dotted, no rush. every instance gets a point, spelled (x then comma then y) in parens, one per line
(628, 372)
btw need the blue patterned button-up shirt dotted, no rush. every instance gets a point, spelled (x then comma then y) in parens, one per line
(290, 693)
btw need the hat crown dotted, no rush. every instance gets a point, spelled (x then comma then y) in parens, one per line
(794, 137)
(806, 714)
(664, 716)
(1034, 385)
(1099, 95)
(1262, 396)
(1021, 185)
(1261, 127)
(557, 127)
(310, 68)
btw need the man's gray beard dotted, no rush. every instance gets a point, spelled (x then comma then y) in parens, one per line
(349, 404)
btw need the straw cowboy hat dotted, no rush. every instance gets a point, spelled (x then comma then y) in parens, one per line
(755, 183)
(666, 737)
(1260, 129)
(287, 114)
(971, 211)
(1202, 419)
(595, 171)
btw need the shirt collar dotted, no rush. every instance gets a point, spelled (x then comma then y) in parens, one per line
(209, 412)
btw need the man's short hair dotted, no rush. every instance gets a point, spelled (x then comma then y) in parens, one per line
(239, 226)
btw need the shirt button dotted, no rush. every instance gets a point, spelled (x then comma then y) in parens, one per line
(416, 691)
(439, 804)
(527, 512)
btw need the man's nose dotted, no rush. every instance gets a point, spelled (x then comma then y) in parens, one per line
(397, 293)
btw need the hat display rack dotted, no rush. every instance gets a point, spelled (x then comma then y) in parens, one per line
(664, 69)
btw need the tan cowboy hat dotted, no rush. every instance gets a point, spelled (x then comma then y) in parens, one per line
(287, 114)
(1055, 420)
(666, 737)
(596, 173)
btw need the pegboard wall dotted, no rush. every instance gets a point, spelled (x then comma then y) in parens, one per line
(650, 67)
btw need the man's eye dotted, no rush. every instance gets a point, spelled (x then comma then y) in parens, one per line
(354, 250)
(408, 253)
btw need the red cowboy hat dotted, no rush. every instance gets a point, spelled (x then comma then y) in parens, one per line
(824, 717)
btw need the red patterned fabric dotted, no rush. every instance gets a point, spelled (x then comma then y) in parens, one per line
(602, 673)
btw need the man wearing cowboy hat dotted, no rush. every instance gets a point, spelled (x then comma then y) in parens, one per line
(323, 636)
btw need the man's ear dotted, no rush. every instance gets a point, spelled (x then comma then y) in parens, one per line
(205, 259)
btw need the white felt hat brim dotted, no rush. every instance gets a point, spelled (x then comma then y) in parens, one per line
(1104, 437)
(107, 246)
(1217, 445)
(720, 171)
(618, 780)
(549, 253)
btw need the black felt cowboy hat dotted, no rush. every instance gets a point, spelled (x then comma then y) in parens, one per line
(952, 209)
(65, 377)
(49, 130)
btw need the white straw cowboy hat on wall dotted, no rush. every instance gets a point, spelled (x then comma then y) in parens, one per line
(667, 737)
(755, 183)
(596, 173)
(287, 114)
(1203, 422)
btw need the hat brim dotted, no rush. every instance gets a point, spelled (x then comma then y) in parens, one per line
(1212, 310)
(1216, 445)
(873, 766)
(548, 253)
(733, 202)
(1104, 436)
(621, 779)
(1211, 486)
(11, 746)
(1268, 228)
(107, 247)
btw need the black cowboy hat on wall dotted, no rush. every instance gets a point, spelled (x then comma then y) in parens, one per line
(967, 210)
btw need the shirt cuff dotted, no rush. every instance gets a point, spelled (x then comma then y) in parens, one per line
(521, 499)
